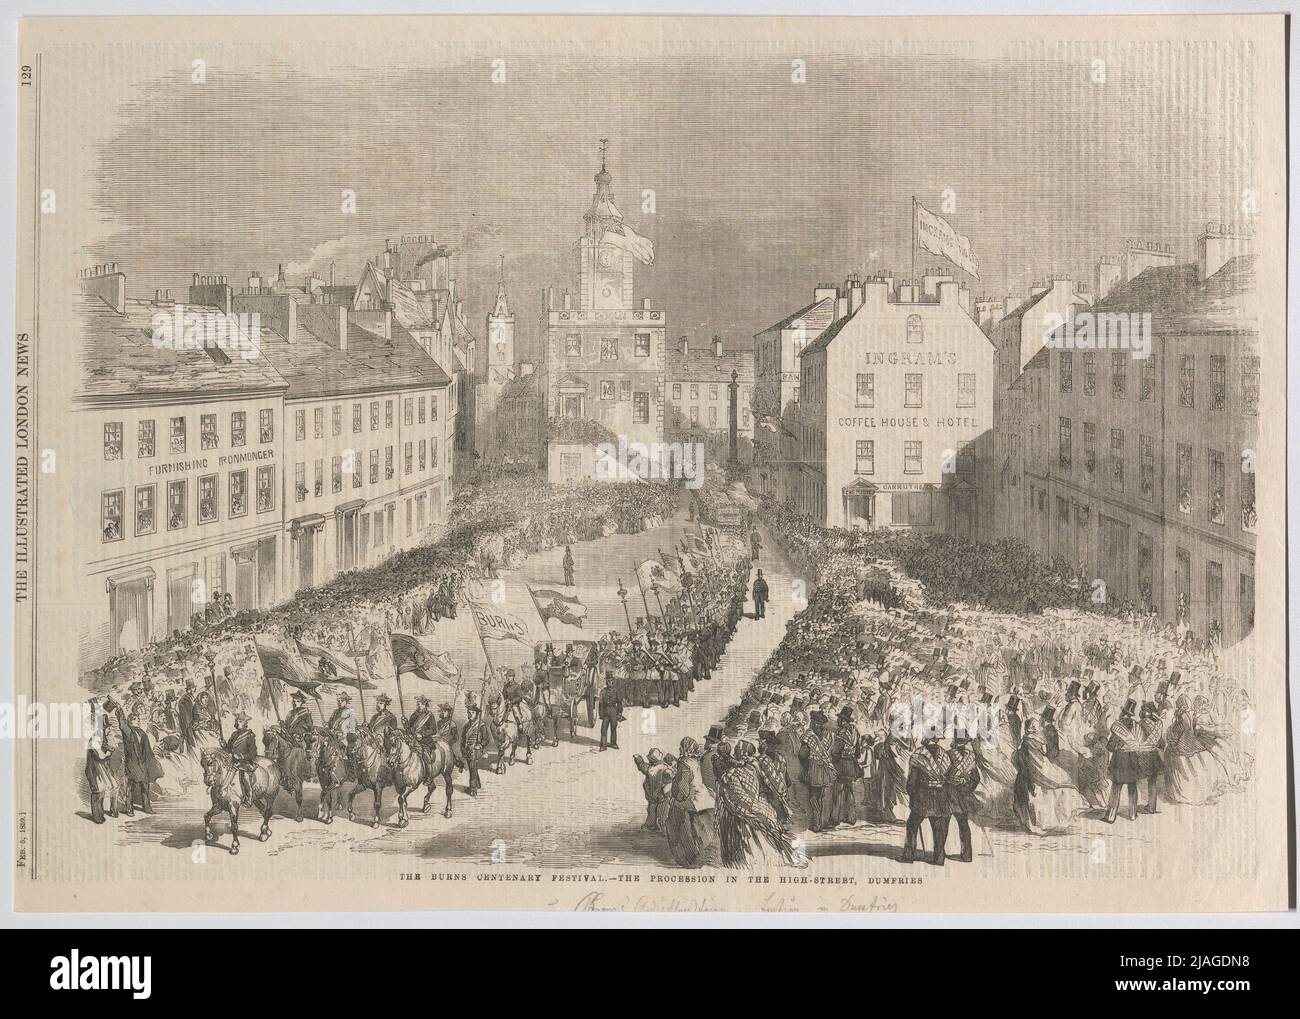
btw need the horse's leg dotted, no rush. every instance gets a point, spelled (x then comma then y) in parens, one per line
(352, 795)
(446, 779)
(297, 798)
(233, 809)
(268, 808)
(402, 791)
(207, 824)
(378, 790)
(429, 788)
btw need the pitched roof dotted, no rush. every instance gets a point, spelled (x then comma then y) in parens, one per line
(119, 359)
(823, 341)
(702, 365)
(817, 315)
(1180, 303)
(314, 368)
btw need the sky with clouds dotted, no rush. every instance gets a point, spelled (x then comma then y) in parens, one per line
(762, 187)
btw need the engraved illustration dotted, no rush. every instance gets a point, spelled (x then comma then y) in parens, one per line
(703, 472)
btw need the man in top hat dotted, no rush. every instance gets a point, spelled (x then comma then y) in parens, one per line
(709, 757)
(344, 719)
(818, 767)
(760, 596)
(185, 714)
(960, 783)
(1124, 743)
(927, 793)
(846, 751)
(383, 720)
(567, 565)
(473, 738)
(142, 767)
(297, 723)
(611, 713)
(1151, 757)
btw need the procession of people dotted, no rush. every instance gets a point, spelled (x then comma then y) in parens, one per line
(941, 702)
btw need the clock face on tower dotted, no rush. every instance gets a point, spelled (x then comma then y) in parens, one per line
(605, 258)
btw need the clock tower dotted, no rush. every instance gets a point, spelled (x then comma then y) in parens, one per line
(604, 269)
(500, 336)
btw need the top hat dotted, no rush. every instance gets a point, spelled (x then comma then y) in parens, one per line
(1049, 713)
(715, 732)
(846, 714)
(1013, 703)
(1072, 690)
(1092, 689)
(817, 718)
(1130, 706)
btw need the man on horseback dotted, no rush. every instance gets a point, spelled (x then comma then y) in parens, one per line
(383, 721)
(242, 748)
(421, 719)
(344, 719)
(297, 723)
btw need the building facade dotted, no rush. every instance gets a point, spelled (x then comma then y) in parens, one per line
(699, 394)
(775, 398)
(1139, 470)
(603, 355)
(896, 413)
(186, 445)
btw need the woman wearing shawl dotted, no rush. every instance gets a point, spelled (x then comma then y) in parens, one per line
(1046, 801)
(1201, 763)
(750, 831)
(692, 821)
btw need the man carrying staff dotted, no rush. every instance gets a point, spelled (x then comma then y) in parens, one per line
(473, 738)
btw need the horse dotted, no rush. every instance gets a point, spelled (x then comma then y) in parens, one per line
(296, 763)
(511, 725)
(494, 718)
(331, 770)
(412, 765)
(221, 776)
(370, 770)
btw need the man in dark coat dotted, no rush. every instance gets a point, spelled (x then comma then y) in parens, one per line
(297, 723)
(962, 780)
(473, 738)
(142, 767)
(420, 721)
(845, 752)
(383, 720)
(611, 709)
(1151, 757)
(760, 596)
(1124, 744)
(568, 566)
(242, 747)
(927, 798)
(818, 767)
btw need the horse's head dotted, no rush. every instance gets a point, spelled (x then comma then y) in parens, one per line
(272, 737)
(215, 764)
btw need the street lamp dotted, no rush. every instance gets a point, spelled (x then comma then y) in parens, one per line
(622, 596)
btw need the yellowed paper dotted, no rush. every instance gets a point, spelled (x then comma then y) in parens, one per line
(880, 509)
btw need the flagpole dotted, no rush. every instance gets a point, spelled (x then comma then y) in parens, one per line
(397, 675)
(356, 667)
(641, 585)
(912, 281)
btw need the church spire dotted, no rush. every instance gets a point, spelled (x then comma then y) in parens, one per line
(502, 308)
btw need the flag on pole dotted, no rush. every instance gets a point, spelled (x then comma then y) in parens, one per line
(937, 236)
(416, 655)
(652, 572)
(324, 666)
(623, 237)
(279, 667)
(554, 604)
(497, 624)
(671, 563)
